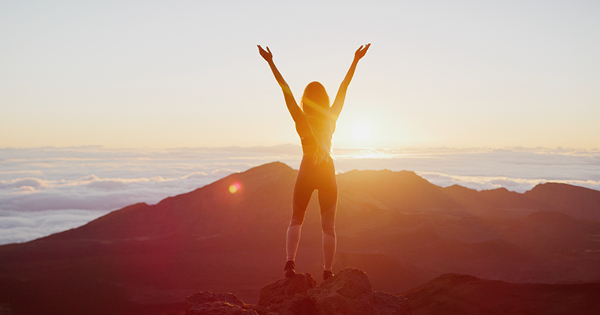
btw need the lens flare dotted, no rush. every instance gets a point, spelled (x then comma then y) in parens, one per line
(233, 188)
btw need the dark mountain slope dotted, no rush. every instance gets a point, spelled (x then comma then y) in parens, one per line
(144, 258)
(467, 295)
(576, 202)
(262, 200)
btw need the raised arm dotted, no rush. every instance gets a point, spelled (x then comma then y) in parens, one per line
(290, 102)
(338, 103)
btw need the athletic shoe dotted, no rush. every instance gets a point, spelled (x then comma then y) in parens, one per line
(289, 268)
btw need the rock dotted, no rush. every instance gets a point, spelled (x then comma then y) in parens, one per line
(287, 296)
(285, 289)
(208, 303)
(348, 292)
(388, 304)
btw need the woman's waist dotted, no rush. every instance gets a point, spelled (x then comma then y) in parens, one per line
(310, 160)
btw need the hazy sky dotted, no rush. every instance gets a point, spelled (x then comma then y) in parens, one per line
(164, 74)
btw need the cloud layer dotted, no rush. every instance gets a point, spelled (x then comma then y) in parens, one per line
(20, 226)
(46, 190)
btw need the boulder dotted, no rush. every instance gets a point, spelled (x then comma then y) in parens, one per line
(287, 296)
(349, 292)
(286, 289)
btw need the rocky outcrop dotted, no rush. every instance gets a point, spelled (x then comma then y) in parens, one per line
(208, 303)
(348, 292)
(287, 296)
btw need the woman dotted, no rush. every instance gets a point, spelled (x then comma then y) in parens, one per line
(315, 123)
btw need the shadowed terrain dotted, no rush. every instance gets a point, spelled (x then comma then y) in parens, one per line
(463, 294)
(400, 229)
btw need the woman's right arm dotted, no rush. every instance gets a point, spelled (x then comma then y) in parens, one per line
(290, 102)
(340, 98)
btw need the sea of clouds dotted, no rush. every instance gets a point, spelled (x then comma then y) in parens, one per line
(47, 190)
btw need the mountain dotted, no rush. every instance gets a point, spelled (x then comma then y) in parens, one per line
(453, 294)
(577, 202)
(210, 211)
(230, 236)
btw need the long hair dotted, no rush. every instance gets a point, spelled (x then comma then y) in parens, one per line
(315, 105)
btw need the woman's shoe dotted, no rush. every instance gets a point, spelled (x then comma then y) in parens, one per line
(327, 274)
(289, 268)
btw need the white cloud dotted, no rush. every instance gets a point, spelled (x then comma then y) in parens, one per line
(89, 178)
(17, 226)
(108, 184)
(195, 175)
(515, 169)
(29, 181)
(485, 182)
(23, 190)
(44, 181)
(222, 172)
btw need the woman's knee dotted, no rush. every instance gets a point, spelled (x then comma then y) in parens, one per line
(329, 230)
(297, 220)
(328, 224)
(328, 216)
(298, 213)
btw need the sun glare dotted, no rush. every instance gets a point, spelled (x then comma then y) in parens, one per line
(233, 188)
(361, 132)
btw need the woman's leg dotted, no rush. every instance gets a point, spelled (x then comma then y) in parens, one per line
(302, 194)
(328, 204)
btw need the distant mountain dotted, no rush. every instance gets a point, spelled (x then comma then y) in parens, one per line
(453, 294)
(230, 236)
(577, 202)
(498, 202)
(211, 211)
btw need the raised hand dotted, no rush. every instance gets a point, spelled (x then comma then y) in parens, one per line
(360, 52)
(340, 97)
(266, 54)
(290, 102)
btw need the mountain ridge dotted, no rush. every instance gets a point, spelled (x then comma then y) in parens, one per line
(421, 192)
(214, 238)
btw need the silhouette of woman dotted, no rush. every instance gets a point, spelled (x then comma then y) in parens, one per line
(315, 123)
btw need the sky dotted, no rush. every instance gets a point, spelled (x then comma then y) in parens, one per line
(158, 74)
(108, 103)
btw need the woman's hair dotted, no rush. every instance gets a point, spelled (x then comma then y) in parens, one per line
(315, 105)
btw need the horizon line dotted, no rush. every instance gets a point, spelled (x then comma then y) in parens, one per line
(460, 148)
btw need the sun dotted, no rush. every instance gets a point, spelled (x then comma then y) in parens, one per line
(361, 132)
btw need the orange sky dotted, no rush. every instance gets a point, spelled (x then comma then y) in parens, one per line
(160, 75)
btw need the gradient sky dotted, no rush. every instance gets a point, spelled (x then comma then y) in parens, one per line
(158, 74)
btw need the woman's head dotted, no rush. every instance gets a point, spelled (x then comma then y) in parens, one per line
(315, 101)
